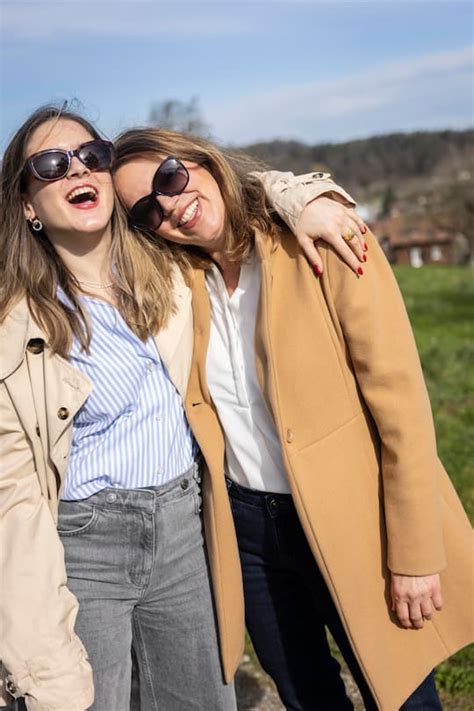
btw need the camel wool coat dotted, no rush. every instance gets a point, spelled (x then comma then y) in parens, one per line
(338, 367)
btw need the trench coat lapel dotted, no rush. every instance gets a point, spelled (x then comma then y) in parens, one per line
(55, 384)
(175, 342)
(65, 389)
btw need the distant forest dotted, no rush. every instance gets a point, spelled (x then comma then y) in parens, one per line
(367, 167)
(380, 159)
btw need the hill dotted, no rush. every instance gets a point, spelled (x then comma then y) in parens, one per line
(382, 160)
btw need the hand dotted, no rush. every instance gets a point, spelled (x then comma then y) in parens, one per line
(414, 597)
(324, 218)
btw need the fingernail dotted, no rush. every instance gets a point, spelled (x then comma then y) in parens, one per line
(360, 271)
(366, 246)
(364, 258)
(317, 270)
(364, 230)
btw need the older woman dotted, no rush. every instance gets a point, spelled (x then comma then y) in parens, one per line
(344, 515)
(96, 343)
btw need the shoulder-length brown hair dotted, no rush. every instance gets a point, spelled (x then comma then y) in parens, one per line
(243, 194)
(32, 269)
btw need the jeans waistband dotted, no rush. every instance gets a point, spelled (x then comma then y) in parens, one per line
(149, 497)
(274, 503)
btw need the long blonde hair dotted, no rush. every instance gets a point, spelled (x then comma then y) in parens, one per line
(243, 194)
(31, 268)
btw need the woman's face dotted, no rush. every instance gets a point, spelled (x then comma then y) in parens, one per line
(196, 216)
(64, 210)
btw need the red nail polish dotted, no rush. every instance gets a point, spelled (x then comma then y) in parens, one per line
(364, 257)
(317, 270)
(366, 246)
(360, 271)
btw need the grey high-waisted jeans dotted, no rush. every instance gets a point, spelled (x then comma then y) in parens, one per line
(136, 561)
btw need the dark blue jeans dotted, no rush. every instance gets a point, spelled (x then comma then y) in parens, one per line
(288, 607)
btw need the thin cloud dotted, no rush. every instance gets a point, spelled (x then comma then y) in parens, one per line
(47, 20)
(430, 91)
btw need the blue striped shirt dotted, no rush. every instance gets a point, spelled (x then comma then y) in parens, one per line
(132, 430)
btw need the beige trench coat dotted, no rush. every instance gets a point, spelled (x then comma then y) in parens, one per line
(338, 366)
(40, 393)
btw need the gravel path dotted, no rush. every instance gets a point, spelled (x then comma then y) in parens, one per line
(256, 691)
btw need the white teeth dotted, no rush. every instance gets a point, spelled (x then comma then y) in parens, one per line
(188, 213)
(82, 191)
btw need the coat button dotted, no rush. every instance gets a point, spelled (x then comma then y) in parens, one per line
(184, 484)
(35, 345)
(289, 436)
(11, 688)
(63, 413)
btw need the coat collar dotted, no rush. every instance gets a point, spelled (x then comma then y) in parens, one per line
(264, 246)
(174, 342)
(16, 331)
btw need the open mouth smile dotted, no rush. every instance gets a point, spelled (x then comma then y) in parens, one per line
(83, 197)
(189, 213)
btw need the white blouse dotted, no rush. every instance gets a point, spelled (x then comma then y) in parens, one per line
(253, 451)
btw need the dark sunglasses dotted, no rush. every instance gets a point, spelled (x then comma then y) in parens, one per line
(54, 163)
(171, 178)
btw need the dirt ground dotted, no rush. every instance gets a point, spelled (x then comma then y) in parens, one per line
(256, 691)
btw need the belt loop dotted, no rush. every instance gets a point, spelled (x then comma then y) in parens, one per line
(197, 472)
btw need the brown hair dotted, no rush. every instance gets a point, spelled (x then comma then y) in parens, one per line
(32, 269)
(243, 194)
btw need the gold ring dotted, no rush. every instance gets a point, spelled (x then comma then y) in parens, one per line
(348, 235)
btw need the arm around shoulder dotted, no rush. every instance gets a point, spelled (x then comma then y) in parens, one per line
(289, 194)
(44, 660)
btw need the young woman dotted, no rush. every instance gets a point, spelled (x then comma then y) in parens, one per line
(96, 345)
(344, 515)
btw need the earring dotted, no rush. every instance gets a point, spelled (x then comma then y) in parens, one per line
(36, 224)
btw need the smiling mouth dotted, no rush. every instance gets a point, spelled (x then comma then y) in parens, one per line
(79, 196)
(188, 213)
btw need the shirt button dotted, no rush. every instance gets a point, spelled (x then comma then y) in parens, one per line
(150, 367)
(63, 413)
(289, 436)
(158, 418)
(110, 498)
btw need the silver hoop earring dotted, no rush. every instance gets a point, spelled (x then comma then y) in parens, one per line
(36, 225)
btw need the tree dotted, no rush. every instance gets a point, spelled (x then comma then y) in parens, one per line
(179, 116)
(388, 201)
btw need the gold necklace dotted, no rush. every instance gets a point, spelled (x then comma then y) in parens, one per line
(95, 285)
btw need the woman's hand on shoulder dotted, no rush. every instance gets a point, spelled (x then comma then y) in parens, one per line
(330, 220)
(414, 598)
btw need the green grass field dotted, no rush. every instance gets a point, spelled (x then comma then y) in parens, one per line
(440, 304)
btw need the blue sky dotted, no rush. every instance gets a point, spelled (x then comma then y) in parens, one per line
(304, 69)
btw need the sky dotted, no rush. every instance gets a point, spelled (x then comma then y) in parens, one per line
(309, 70)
